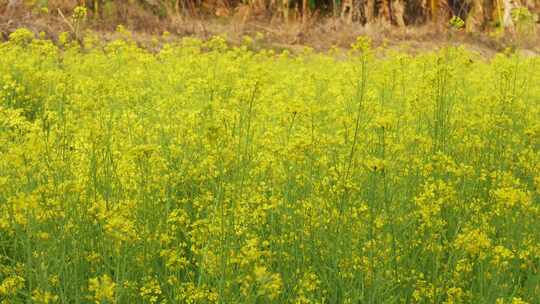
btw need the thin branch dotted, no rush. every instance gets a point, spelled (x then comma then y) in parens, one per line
(66, 21)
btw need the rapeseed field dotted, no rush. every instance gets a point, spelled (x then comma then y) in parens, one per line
(209, 173)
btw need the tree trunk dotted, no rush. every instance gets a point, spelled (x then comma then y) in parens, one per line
(434, 8)
(304, 11)
(398, 11)
(386, 13)
(475, 17)
(285, 9)
(507, 14)
(369, 10)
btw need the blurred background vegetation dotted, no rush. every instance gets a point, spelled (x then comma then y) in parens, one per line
(476, 14)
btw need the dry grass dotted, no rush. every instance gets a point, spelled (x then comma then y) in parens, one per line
(318, 33)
